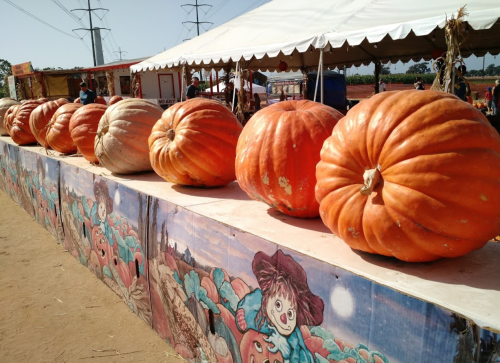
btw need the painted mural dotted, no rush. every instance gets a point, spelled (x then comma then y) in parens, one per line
(40, 183)
(105, 228)
(219, 294)
(32, 181)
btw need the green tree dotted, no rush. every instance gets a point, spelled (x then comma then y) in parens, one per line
(419, 68)
(385, 70)
(5, 70)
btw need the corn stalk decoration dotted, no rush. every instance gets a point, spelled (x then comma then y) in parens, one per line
(455, 35)
(135, 86)
(111, 83)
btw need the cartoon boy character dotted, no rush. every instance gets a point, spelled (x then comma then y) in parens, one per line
(101, 209)
(283, 303)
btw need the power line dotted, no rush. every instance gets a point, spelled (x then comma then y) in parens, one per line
(71, 15)
(197, 22)
(89, 10)
(249, 7)
(40, 20)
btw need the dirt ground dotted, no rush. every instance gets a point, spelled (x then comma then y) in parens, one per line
(52, 309)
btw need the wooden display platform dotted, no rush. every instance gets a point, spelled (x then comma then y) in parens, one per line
(375, 307)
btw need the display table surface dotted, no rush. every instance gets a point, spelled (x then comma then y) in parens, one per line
(469, 285)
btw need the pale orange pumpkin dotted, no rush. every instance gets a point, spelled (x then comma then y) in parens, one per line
(41, 116)
(77, 100)
(278, 151)
(411, 174)
(83, 128)
(9, 117)
(194, 143)
(5, 104)
(58, 136)
(121, 143)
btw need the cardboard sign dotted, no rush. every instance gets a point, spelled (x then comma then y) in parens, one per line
(22, 69)
(12, 87)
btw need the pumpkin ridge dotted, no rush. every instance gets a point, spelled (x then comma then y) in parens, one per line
(201, 165)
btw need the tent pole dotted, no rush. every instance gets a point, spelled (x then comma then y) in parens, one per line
(321, 63)
(234, 88)
(378, 68)
(211, 87)
(317, 80)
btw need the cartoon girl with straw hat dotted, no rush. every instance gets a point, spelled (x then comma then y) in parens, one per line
(280, 306)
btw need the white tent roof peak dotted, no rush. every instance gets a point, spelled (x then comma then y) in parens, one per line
(402, 30)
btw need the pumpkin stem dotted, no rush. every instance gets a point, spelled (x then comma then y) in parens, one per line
(171, 134)
(371, 177)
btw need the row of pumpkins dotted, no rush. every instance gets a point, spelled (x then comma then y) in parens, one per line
(409, 174)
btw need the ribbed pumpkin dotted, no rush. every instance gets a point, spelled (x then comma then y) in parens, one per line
(411, 174)
(77, 100)
(20, 130)
(8, 118)
(194, 143)
(83, 128)
(121, 143)
(5, 104)
(115, 99)
(41, 116)
(100, 100)
(43, 99)
(278, 151)
(58, 136)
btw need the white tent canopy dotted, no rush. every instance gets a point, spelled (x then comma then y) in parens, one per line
(351, 33)
(255, 87)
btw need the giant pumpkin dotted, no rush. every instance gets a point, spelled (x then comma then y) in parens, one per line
(411, 174)
(278, 151)
(20, 130)
(58, 136)
(8, 118)
(100, 100)
(41, 116)
(194, 143)
(83, 128)
(121, 143)
(115, 99)
(5, 104)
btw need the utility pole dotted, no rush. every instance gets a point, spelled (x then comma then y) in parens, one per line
(197, 22)
(120, 52)
(91, 28)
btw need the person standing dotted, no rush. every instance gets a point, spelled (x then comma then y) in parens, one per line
(419, 84)
(256, 97)
(381, 86)
(86, 95)
(496, 97)
(488, 96)
(192, 90)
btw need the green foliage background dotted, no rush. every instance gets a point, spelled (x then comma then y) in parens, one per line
(390, 78)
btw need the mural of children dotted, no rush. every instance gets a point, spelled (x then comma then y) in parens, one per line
(283, 303)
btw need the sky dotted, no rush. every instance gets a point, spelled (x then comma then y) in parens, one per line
(138, 29)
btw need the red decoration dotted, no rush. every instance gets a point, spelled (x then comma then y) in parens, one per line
(436, 53)
(283, 66)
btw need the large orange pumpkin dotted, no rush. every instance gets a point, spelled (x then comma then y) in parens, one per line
(5, 104)
(115, 99)
(58, 136)
(194, 143)
(278, 151)
(20, 130)
(8, 119)
(100, 100)
(41, 116)
(83, 128)
(121, 143)
(414, 175)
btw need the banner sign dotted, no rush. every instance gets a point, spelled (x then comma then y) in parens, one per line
(12, 87)
(22, 69)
